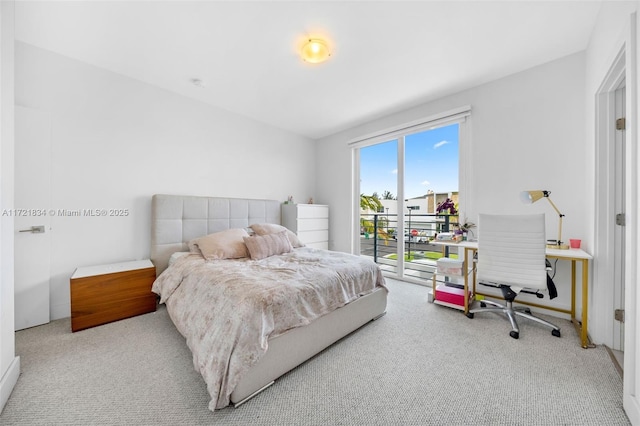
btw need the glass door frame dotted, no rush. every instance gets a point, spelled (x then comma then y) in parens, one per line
(461, 116)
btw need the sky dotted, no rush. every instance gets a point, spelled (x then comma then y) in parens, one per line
(431, 163)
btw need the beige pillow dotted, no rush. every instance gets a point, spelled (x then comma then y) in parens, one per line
(261, 246)
(227, 244)
(193, 247)
(271, 228)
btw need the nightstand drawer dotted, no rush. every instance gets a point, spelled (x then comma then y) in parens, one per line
(98, 298)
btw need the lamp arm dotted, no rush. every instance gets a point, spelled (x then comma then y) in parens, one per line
(554, 207)
(559, 242)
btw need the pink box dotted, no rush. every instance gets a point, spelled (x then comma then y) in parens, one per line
(448, 294)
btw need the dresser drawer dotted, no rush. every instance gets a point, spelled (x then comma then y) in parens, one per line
(312, 211)
(312, 224)
(309, 237)
(324, 245)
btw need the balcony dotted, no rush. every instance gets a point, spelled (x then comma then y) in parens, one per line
(420, 255)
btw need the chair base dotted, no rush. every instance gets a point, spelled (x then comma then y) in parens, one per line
(512, 312)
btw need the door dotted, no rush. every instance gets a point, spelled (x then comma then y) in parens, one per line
(32, 220)
(401, 181)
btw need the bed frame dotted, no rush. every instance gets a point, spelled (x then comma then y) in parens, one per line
(176, 219)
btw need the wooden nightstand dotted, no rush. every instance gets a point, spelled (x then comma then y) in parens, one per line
(107, 293)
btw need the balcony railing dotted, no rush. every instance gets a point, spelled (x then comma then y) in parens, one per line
(379, 240)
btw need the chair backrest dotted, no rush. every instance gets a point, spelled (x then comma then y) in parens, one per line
(511, 250)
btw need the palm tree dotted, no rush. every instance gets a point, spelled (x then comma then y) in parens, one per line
(387, 195)
(372, 203)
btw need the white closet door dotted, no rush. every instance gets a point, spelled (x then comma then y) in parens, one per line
(32, 204)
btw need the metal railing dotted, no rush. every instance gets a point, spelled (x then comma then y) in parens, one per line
(379, 240)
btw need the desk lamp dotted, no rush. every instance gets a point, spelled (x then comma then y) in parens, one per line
(530, 197)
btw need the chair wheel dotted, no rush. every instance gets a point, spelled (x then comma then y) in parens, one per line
(470, 315)
(514, 334)
(555, 333)
(483, 305)
(528, 311)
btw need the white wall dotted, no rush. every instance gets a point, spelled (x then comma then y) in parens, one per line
(116, 141)
(9, 363)
(527, 132)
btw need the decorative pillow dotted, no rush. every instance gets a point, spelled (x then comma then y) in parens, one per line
(227, 244)
(261, 246)
(272, 228)
(193, 247)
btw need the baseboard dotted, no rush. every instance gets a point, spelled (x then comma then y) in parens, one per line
(8, 381)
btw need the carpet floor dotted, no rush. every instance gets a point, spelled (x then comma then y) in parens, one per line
(420, 364)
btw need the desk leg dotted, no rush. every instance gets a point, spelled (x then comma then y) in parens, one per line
(582, 326)
(573, 290)
(585, 305)
(465, 271)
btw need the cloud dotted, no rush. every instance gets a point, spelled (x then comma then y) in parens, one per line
(439, 144)
(425, 183)
(394, 171)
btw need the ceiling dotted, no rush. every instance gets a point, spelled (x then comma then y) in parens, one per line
(387, 55)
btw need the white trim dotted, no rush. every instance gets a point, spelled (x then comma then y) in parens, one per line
(465, 169)
(631, 381)
(400, 205)
(8, 381)
(436, 120)
(355, 201)
(603, 266)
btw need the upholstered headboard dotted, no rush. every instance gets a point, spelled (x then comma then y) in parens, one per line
(177, 219)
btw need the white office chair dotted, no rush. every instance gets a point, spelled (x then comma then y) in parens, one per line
(511, 256)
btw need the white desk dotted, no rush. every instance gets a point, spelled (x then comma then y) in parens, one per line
(573, 255)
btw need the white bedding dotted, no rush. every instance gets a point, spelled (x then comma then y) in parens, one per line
(228, 309)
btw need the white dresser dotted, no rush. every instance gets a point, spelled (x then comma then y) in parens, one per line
(310, 222)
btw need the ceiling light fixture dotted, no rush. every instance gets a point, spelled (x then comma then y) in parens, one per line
(315, 51)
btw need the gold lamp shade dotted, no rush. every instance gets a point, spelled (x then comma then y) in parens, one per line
(530, 197)
(315, 51)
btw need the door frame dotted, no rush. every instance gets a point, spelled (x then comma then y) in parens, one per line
(604, 267)
(461, 116)
(619, 148)
(623, 67)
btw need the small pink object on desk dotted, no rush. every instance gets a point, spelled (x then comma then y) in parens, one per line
(574, 244)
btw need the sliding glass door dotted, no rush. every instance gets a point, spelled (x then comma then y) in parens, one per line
(402, 182)
(378, 203)
(430, 178)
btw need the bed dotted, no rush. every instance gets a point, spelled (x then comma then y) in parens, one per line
(281, 344)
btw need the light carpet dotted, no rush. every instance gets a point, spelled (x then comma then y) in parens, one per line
(420, 364)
